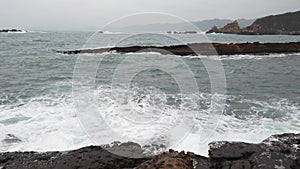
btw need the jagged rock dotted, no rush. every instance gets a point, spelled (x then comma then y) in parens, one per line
(214, 29)
(128, 149)
(231, 28)
(278, 151)
(92, 157)
(171, 159)
(11, 30)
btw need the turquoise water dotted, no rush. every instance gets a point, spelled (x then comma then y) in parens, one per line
(37, 104)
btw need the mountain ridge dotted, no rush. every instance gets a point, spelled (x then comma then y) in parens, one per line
(286, 23)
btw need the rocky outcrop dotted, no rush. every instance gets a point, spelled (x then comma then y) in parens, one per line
(287, 24)
(92, 157)
(201, 49)
(231, 28)
(278, 151)
(182, 32)
(171, 159)
(11, 31)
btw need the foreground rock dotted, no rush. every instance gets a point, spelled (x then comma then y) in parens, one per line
(279, 152)
(93, 157)
(201, 49)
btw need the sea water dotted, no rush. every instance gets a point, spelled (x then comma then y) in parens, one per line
(37, 101)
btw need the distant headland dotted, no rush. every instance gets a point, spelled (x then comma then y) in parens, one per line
(285, 24)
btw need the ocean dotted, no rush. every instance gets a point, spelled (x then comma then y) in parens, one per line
(39, 105)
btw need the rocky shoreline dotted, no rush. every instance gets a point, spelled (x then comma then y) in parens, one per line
(278, 151)
(201, 49)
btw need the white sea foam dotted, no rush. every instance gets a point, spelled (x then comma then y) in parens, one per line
(49, 123)
(18, 32)
(108, 32)
(242, 57)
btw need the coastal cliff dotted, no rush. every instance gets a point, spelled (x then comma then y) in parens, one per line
(287, 24)
(278, 151)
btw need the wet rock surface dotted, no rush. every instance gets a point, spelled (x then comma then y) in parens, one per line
(278, 151)
(93, 157)
(171, 159)
(201, 49)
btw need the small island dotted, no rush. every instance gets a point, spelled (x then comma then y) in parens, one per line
(255, 48)
(11, 31)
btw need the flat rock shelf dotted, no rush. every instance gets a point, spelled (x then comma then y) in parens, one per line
(255, 48)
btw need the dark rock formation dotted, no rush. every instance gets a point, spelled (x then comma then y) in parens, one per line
(171, 159)
(10, 139)
(278, 151)
(93, 157)
(287, 24)
(11, 30)
(202, 49)
(182, 32)
(231, 28)
(214, 29)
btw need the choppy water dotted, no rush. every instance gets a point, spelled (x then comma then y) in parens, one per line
(37, 105)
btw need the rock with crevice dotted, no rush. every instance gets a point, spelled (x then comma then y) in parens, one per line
(171, 159)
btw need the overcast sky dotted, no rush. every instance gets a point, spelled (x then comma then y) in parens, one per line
(93, 14)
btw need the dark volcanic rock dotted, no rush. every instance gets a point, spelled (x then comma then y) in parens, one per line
(10, 30)
(231, 28)
(89, 157)
(171, 159)
(278, 151)
(214, 29)
(202, 49)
